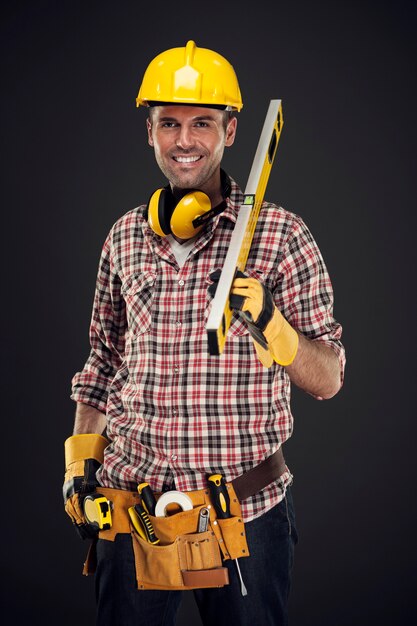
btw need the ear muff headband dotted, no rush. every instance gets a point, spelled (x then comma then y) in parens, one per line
(166, 217)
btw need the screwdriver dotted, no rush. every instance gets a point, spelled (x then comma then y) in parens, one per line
(221, 502)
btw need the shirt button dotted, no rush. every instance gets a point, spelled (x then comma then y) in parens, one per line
(174, 457)
(176, 369)
(175, 413)
(181, 282)
(178, 324)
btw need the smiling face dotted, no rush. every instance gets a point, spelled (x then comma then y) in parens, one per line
(189, 144)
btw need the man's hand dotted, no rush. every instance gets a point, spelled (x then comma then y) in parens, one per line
(83, 456)
(265, 323)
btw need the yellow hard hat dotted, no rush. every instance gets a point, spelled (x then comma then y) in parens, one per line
(190, 75)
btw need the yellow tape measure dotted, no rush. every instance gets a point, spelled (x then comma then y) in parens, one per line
(97, 511)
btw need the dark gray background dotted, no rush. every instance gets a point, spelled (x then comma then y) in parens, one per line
(75, 158)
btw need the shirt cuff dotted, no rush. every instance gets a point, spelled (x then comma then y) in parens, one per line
(89, 397)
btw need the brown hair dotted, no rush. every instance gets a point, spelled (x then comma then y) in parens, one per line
(227, 115)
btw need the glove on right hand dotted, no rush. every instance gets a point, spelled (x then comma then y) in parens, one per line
(83, 456)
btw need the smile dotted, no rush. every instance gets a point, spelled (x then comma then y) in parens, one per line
(186, 159)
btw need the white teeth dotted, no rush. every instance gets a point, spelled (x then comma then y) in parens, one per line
(190, 159)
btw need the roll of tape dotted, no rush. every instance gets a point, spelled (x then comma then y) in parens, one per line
(173, 497)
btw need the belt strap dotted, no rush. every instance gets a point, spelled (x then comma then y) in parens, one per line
(244, 486)
(260, 476)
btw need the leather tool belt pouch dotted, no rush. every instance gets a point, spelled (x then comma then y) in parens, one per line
(183, 558)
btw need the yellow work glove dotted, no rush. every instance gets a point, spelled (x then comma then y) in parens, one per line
(266, 324)
(83, 456)
(274, 338)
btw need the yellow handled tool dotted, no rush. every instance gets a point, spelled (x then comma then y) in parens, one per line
(219, 495)
(148, 498)
(221, 502)
(221, 314)
(142, 523)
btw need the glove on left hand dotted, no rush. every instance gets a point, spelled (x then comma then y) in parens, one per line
(266, 324)
(256, 301)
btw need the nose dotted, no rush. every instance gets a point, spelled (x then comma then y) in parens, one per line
(185, 139)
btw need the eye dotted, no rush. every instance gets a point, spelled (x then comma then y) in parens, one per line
(201, 124)
(168, 124)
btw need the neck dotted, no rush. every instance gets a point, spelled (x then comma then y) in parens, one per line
(178, 239)
(212, 187)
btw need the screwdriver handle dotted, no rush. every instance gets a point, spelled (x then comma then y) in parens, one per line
(219, 495)
(148, 498)
(221, 502)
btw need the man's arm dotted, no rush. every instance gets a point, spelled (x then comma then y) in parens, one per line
(90, 387)
(83, 456)
(311, 364)
(88, 420)
(296, 321)
(315, 369)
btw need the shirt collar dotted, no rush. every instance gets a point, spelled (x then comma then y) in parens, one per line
(234, 200)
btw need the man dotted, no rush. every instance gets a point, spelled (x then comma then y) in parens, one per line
(173, 414)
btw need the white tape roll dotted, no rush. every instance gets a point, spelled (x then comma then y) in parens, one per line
(172, 497)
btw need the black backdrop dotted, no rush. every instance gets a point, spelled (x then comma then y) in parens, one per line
(75, 158)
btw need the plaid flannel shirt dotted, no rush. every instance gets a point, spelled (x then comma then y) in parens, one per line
(174, 413)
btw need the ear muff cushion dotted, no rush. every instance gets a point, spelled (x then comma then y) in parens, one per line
(160, 207)
(191, 206)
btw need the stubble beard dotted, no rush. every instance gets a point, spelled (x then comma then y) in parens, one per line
(189, 179)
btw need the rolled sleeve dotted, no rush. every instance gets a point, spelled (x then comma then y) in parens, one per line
(107, 330)
(304, 293)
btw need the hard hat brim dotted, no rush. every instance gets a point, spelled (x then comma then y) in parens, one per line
(160, 103)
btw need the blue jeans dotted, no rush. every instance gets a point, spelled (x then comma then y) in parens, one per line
(266, 574)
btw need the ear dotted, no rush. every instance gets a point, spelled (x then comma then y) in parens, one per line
(231, 132)
(149, 129)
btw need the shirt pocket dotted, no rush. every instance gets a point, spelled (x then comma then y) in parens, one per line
(138, 293)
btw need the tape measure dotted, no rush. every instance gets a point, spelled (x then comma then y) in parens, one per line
(97, 511)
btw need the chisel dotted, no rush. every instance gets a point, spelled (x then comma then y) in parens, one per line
(221, 503)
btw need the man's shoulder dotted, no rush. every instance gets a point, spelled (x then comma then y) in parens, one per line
(133, 216)
(131, 221)
(276, 219)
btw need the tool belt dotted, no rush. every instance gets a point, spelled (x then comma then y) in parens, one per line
(185, 558)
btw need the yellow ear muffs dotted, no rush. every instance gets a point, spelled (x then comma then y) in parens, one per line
(188, 209)
(160, 207)
(166, 217)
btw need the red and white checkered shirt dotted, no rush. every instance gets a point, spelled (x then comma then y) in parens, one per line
(174, 413)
